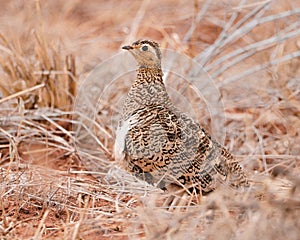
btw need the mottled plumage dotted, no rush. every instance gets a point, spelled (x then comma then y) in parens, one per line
(163, 145)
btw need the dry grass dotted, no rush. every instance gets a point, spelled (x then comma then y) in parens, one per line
(56, 184)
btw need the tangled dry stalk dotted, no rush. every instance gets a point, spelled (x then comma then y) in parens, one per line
(52, 188)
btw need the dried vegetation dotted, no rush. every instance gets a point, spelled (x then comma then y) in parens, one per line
(58, 184)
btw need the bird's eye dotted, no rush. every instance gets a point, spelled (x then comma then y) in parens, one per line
(145, 48)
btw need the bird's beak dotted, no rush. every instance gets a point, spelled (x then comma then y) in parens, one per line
(127, 47)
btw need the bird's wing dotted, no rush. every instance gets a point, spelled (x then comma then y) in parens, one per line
(163, 142)
(167, 144)
(150, 145)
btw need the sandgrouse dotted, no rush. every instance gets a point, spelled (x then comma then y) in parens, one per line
(162, 145)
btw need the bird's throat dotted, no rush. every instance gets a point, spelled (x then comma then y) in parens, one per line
(149, 75)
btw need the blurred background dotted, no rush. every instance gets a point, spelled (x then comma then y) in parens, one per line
(251, 49)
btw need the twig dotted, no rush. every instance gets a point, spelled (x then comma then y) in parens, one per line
(136, 21)
(199, 16)
(257, 46)
(209, 52)
(231, 38)
(261, 146)
(67, 133)
(250, 5)
(18, 94)
(259, 68)
(280, 156)
(38, 233)
(232, 63)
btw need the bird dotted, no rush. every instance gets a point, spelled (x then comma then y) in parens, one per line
(162, 145)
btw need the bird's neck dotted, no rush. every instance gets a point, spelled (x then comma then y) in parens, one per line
(149, 75)
(148, 89)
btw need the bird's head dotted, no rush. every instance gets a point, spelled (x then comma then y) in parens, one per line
(146, 53)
